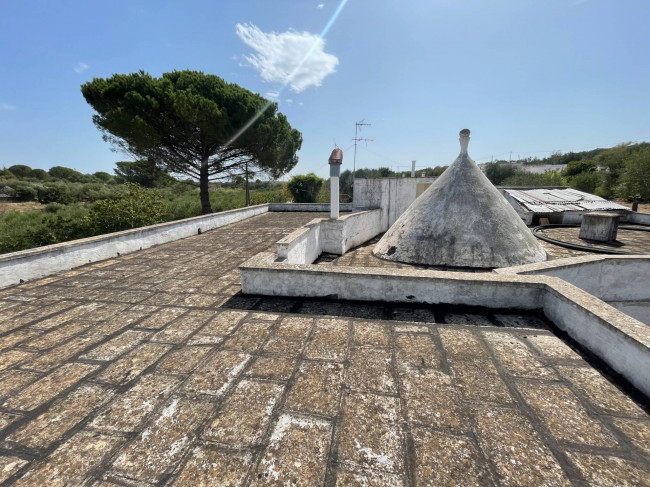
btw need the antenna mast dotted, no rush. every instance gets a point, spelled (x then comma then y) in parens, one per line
(357, 129)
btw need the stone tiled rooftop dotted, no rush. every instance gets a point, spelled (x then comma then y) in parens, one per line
(627, 241)
(152, 369)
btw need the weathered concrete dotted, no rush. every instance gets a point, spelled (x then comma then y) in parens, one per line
(461, 220)
(351, 230)
(225, 389)
(619, 340)
(616, 338)
(607, 277)
(299, 207)
(31, 264)
(392, 195)
(305, 244)
(621, 281)
(260, 275)
(639, 310)
(599, 226)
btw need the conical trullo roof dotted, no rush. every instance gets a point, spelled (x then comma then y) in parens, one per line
(461, 220)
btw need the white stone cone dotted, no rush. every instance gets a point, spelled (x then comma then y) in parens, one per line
(461, 220)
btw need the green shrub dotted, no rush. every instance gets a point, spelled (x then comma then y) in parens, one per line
(305, 188)
(522, 178)
(133, 207)
(102, 176)
(24, 191)
(498, 172)
(180, 205)
(54, 207)
(261, 197)
(55, 193)
(574, 168)
(635, 181)
(585, 181)
(323, 195)
(70, 222)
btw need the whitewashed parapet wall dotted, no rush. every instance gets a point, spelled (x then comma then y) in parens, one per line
(30, 264)
(39, 262)
(622, 281)
(392, 195)
(304, 245)
(620, 340)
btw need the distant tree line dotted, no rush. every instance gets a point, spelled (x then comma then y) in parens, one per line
(622, 172)
(57, 185)
(309, 188)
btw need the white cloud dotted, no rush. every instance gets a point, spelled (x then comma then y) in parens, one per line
(272, 95)
(294, 58)
(289, 101)
(6, 106)
(81, 67)
(320, 5)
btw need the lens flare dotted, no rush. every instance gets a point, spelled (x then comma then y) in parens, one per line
(266, 106)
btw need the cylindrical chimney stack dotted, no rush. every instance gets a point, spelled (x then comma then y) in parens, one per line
(335, 161)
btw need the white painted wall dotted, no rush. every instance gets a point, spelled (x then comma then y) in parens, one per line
(349, 231)
(261, 276)
(608, 278)
(640, 218)
(392, 195)
(621, 341)
(604, 336)
(639, 310)
(304, 245)
(43, 261)
(324, 207)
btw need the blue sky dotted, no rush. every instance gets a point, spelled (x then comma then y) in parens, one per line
(527, 76)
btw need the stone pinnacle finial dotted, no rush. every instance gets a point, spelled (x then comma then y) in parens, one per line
(464, 140)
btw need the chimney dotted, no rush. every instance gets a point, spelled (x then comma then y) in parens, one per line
(335, 161)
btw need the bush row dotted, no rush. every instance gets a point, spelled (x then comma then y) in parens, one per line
(129, 206)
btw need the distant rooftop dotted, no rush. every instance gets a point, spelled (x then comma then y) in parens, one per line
(557, 200)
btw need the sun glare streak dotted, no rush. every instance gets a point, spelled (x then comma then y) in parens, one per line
(266, 106)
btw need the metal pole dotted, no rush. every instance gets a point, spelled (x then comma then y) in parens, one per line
(354, 163)
(248, 197)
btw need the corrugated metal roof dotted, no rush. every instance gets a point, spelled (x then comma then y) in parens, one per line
(557, 200)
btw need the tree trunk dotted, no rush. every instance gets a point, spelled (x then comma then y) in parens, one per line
(206, 208)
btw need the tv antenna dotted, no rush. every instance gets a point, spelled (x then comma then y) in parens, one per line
(357, 129)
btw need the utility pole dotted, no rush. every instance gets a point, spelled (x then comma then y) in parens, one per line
(357, 129)
(248, 196)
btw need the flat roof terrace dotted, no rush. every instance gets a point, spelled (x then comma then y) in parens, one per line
(635, 241)
(153, 369)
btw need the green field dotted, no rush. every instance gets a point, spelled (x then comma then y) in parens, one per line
(25, 228)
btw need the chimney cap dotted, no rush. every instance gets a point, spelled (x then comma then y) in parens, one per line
(336, 157)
